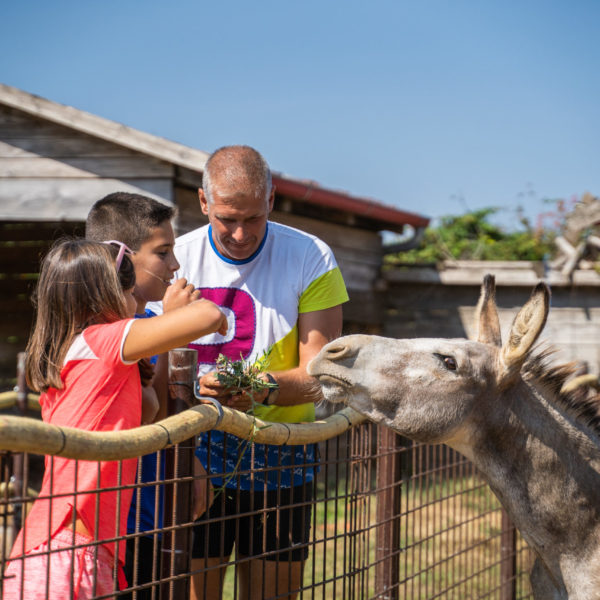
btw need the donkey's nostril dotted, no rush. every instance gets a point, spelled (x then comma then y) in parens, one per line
(336, 351)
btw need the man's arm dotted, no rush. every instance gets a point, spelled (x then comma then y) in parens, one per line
(315, 329)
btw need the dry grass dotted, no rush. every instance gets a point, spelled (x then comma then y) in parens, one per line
(450, 537)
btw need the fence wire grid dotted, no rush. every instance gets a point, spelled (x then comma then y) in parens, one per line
(389, 519)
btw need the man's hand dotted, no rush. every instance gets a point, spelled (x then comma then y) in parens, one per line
(210, 386)
(179, 293)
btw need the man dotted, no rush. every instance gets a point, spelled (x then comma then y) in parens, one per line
(283, 291)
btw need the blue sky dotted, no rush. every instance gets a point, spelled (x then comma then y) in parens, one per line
(431, 106)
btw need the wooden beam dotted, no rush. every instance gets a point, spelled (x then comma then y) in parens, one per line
(103, 128)
(69, 199)
(122, 167)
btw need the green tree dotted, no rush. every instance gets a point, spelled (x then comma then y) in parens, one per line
(473, 237)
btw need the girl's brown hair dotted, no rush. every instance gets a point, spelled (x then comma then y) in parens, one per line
(78, 287)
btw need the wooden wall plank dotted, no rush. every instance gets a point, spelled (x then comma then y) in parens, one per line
(31, 232)
(34, 129)
(189, 215)
(115, 167)
(333, 234)
(68, 199)
(10, 116)
(57, 147)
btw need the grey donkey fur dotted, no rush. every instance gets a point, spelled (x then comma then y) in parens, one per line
(502, 407)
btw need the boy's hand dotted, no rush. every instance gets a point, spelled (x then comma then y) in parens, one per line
(146, 369)
(224, 325)
(179, 293)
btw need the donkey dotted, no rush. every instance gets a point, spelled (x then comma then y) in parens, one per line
(502, 407)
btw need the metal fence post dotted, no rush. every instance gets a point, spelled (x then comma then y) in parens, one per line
(179, 463)
(387, 574)
(508, 559)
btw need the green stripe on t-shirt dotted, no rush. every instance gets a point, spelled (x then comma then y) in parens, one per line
(324, 292)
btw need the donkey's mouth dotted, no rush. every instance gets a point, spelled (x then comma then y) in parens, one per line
(333, 380)
(335, 389)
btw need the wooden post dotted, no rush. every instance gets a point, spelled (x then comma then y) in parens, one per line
(18, 458)
(508, 558)
(387, 574)
(179, 462)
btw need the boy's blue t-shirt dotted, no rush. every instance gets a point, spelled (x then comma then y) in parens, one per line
(148, 520)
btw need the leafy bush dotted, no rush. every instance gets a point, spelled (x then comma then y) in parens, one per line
(472, 237)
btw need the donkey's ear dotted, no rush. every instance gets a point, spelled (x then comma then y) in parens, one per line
(487, 324)
(525, 330)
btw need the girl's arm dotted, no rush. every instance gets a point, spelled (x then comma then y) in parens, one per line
(173, 329)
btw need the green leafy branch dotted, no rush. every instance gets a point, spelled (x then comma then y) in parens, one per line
(243, 375)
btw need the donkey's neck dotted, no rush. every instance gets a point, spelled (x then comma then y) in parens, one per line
(543, 466)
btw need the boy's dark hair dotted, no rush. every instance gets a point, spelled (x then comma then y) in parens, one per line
(129, 218)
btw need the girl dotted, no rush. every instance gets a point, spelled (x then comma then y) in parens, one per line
(82, 356)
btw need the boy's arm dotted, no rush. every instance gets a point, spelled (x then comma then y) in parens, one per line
(161, 384)
(149, 405)
(149, 397)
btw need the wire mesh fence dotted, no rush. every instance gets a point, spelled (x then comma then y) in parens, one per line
(388, 519)
(370, 514)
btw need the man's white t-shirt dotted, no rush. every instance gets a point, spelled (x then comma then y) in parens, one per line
(292, 272)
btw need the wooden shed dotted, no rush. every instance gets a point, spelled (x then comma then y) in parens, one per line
(56, 161)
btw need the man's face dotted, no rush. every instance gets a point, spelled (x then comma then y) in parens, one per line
(238, 219)
(155, 265)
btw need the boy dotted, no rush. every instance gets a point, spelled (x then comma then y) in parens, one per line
(145, 226)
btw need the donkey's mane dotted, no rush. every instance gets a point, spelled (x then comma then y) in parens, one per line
(579, 403)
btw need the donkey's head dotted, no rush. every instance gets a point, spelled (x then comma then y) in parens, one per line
(426, 388)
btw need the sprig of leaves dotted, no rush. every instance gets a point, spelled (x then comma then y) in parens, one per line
(243, 375)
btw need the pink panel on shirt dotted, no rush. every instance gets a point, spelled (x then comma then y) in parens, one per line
(242, 306)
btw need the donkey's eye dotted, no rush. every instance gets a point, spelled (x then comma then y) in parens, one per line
(450, 363)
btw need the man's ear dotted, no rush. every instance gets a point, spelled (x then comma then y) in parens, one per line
(272, 199)
(203, 201)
